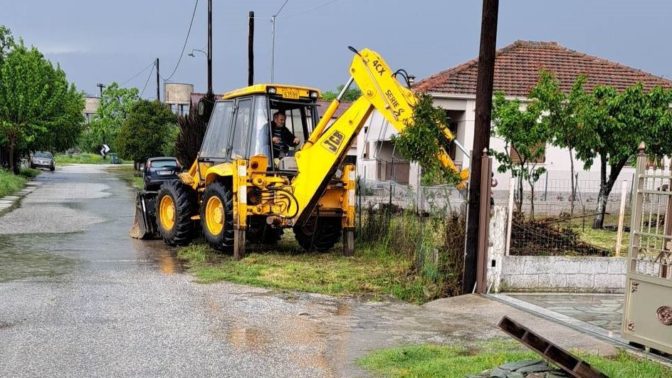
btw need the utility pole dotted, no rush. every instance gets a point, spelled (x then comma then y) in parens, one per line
(484, 84)
(101, 86)
(250, 50)
(273, 39)
(210, 92)
(158, 83)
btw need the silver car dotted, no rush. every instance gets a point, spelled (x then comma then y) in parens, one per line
(42, 159)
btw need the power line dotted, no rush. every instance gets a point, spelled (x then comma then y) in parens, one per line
(147, 82)
(137, 74)
(185, 42)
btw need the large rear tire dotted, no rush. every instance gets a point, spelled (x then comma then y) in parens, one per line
(217, 217)
(320, 236)
(175, 205)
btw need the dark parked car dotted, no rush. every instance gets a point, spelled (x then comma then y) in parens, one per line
(157, 170)
(42, 159)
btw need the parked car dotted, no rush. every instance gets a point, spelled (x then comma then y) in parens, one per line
(42, 159)
(158, 170)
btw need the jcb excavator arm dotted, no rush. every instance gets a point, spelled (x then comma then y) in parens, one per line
(326, 147)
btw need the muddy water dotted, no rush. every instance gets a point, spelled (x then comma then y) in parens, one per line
(77, 219)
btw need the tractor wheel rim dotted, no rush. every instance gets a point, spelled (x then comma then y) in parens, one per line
(214, 215)
(167, 213)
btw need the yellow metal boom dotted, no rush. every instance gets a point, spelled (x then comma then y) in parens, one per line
(326, 147)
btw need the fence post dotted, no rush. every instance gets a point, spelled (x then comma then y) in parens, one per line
(509, 217)
(621, 216)
(483, 223)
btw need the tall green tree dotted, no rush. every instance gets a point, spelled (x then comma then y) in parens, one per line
(36, 101)
(525, 140)
(149, 130)
(115, 105)
(561, 115)
(617, 123)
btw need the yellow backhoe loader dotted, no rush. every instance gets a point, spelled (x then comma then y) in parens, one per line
(238, 191)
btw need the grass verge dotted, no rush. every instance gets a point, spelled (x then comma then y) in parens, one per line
(128, 174)
(430, 360)
(83, 158)
(286, 267)
(11, 183)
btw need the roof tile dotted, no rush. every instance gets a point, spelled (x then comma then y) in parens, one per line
(517, 69)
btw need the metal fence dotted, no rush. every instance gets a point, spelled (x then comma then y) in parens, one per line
(558, 222)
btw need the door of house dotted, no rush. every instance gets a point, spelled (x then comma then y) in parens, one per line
(647, 315)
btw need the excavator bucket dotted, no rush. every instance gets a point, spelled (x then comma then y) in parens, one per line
(144, 221)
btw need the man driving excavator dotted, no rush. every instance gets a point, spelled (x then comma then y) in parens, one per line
(282, 137)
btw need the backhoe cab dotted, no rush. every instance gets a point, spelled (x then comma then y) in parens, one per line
(238, 190)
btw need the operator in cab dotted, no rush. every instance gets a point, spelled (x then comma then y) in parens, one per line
(282, 137)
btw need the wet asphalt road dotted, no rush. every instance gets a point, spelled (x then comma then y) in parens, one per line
(78, 297)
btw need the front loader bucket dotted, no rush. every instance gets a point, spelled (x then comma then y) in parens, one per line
(144, 221)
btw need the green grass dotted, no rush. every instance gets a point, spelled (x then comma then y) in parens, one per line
(83, 158)
(286, 267)
(128, 174)
(431, 360)
(10, 183)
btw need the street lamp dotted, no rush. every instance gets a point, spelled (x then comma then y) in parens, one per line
(273, 40)
(191, 54)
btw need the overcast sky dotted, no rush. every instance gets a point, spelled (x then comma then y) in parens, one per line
(103, 41)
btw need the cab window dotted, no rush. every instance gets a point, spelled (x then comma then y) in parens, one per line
(217, 136)
(261, 144)
(241, 129)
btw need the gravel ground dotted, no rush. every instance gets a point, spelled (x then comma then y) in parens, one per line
(97, 303)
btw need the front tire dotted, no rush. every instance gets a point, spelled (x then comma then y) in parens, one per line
(320, 236)
(175, 204)
(217, 217)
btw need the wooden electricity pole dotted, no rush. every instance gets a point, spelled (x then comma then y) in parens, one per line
(158, 83)
(250, 50)
(484, 84)
(210, 91)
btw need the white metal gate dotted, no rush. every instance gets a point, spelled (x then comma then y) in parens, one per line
(647, 315)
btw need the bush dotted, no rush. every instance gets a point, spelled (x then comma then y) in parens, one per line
(434, 244)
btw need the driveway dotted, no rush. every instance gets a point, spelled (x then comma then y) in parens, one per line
(78, 297)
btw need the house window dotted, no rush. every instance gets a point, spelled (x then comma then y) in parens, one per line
(515, 156)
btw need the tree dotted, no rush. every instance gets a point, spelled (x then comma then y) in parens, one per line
(560, 114)
(36, 102)
(115, 106)
(525, 140)
(190, 137)
(6, 42)
(420, 142)
(351, 94)
(146, 131)
(616, 124)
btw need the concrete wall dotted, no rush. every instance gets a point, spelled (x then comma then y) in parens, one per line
(547, 273)
(563, 273)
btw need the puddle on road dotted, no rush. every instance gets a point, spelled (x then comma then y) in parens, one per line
(17, 262)
(162, 256)
(250, 338)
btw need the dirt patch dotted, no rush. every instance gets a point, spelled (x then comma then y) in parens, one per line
(549, 238)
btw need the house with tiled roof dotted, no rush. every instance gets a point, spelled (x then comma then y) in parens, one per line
(517, 68)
